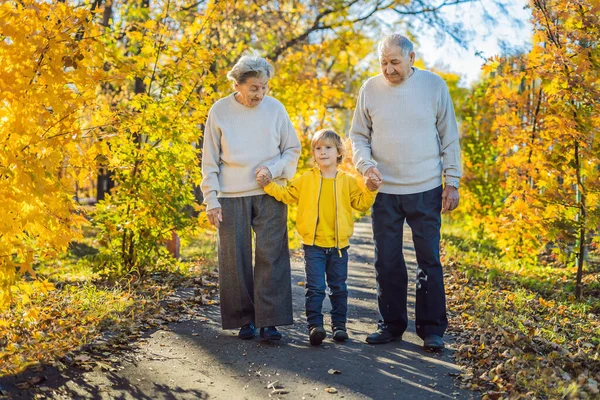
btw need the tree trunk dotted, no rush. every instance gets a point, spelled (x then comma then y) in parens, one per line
(104, 181)
(582, 222)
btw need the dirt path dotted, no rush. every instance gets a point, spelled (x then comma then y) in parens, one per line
(195, 359)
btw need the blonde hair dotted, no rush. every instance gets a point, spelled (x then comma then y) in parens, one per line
(329, 136)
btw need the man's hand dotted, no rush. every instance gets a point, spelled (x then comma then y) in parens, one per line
(214, 216)
(450, 198)
(374, 178)
(263, 176)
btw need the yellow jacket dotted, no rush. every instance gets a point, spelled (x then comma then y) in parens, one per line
(306, 190)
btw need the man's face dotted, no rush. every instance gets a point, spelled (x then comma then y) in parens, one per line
(396, 68)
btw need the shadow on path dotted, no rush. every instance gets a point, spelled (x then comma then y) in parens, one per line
(196, 359)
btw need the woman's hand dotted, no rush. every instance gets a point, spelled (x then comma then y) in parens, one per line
(214, 216)
(263, 176)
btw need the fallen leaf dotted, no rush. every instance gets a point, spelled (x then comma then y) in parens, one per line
(30, 382)
(274, 385)
(333, 372)
(82, 358)
(105, 366)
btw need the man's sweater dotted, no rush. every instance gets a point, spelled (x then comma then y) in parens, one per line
(239, 139)
(408, 132)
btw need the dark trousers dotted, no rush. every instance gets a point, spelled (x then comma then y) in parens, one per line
(325, 264)
(261, 295)
(422, 212)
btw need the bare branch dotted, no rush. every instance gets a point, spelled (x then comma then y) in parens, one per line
(316, 26)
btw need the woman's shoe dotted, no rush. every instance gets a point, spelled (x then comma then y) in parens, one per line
(270, 333)
(248, 331)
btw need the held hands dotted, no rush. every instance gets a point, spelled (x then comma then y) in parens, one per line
(450, 198)
(215, 216)
(263, 176)
(373, 179)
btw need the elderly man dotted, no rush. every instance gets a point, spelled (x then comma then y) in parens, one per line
(404, 133)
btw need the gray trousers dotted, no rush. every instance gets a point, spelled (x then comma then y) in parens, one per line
(263, 295)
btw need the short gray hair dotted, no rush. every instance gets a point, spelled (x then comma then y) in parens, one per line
(398, 40)
(250, 65)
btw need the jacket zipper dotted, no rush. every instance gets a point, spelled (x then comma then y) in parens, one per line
(337, 238)
(318, 201)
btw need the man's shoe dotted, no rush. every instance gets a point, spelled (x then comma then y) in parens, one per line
(383, 335)
(270, 333)
(433, 343)
(247, 332)
(316, 335)
(339, 334)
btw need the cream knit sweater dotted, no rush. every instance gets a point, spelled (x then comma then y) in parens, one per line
(238, 140)
(408, 132)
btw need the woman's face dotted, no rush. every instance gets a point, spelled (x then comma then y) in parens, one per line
(251, 92)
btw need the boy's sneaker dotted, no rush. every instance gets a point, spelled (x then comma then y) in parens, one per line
(339, 334)
(316, 335)
(270, 333)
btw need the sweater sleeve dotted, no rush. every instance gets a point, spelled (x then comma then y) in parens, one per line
(290, 148)
(211, 158)
(448, 133)
(286, 194)
(361, 199)
(360, 135)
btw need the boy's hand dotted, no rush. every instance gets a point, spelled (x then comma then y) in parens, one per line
(376, 184)
(263, 176)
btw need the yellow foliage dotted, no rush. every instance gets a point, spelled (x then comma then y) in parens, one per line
(532, 148)
(48, 87)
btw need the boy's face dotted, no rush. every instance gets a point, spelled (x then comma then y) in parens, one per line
(325, 154)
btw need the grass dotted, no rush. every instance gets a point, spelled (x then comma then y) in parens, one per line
(484, 261)
(201, 248)
(73, 301)
(521, 334)
(48, 325)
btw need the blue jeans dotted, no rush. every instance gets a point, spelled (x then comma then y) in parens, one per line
(326, 264)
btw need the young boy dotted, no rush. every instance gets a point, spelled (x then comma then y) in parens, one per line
(325, 198)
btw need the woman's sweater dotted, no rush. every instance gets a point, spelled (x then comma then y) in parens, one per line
(239, 139)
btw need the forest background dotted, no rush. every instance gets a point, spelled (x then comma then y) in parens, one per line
(102, 105)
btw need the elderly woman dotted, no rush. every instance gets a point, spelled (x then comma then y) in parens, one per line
(249, 137)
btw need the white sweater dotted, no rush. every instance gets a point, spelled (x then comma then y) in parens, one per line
(239, 139)
(408, 132)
